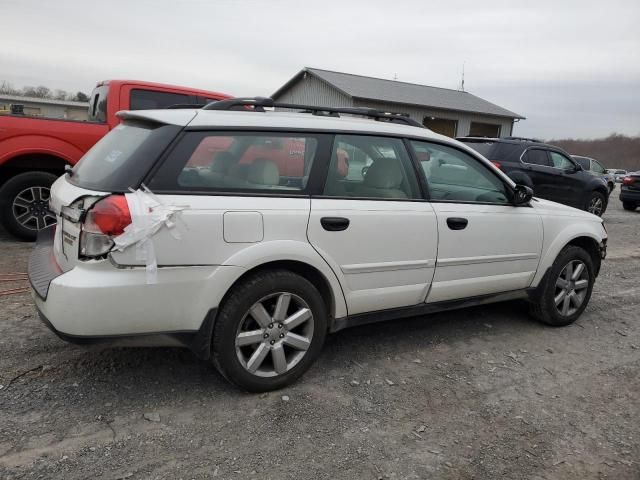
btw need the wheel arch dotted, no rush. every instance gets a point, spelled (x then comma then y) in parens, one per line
(587, 239)
(33, 162)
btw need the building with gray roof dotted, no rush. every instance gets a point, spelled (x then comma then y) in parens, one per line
(450, 112)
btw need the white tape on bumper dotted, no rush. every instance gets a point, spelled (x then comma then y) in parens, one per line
(148, 216)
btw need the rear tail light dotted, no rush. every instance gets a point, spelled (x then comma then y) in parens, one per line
(107, 219)
(628, 181)
(497, 164)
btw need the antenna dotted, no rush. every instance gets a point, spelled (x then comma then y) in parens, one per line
(462, 82)
(395, 76)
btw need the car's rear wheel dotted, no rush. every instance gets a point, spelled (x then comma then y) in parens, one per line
(24, 204)
(596, 204)
(629, 206)
(566, 289)
(269, 331)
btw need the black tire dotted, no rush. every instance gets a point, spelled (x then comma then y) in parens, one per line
(629, 206)
(611, 186)
(543, 307)
(9, 213)
(233, 314)
(593, 199)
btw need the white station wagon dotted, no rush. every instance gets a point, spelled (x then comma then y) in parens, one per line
(248, 234)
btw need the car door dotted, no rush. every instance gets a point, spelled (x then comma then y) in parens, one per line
(537, 165)
(372, 226)
(486, 244)
(568, 184)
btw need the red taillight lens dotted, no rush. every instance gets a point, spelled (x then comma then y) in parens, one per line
(628, 181)
(497, 164)
(109, 216)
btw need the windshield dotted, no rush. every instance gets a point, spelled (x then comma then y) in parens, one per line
(98, 104)
(121, 158)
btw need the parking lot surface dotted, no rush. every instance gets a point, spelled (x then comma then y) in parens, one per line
(481, 393)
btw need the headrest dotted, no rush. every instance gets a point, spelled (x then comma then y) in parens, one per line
(263, 172)
(384, 173)
(222, 162)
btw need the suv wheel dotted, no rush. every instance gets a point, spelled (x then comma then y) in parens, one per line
(24, 204)
(566, 289)
(269, 331)
(629, 206)
(597, 204)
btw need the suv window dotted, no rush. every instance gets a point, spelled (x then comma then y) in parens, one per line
(454, 176)
(597, 167)
(150, 100)
(537, 156)
(370, 167)
(238, 161)
(584, 162)
(560, 161)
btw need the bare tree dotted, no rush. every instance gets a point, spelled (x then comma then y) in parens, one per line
(8, 89)
(60, 94)
(43, 92)
(81, 97)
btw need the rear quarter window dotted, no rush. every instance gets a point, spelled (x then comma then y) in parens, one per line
(239, 161)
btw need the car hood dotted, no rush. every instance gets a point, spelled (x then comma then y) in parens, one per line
(547, 207)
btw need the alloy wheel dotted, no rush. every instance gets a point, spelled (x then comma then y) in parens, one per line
(274, 334)
(595, 205)
(30, 208)
(571, 287)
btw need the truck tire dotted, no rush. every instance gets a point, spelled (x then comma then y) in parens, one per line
(24, 204)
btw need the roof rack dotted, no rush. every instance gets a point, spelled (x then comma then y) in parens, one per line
(258, 104)
(524, 139)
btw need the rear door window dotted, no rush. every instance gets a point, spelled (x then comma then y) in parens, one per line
(537, 156)
(584, 162)
(239, 161)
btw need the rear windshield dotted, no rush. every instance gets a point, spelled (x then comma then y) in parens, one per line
(483, 148)
(121, 158)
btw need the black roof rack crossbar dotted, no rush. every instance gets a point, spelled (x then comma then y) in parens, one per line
(258, 104)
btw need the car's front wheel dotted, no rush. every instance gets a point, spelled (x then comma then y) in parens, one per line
(269, 331)
(566, 289)
(596, 204)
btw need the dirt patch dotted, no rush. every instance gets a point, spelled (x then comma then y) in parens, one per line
(482, 393)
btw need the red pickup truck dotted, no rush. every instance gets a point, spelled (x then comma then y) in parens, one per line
(34, 151)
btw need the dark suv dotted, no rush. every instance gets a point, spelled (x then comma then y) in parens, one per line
(549, 170)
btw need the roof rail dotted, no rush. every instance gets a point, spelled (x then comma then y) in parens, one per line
(524, 139)
(179, 106)
(258, 104)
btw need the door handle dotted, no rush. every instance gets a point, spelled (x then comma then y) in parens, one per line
(334, 224)
(457, 223)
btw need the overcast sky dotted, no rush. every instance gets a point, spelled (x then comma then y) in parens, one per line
(571, 67)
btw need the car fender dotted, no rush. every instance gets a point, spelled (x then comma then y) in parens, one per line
(289, 250)
(39, 144)
(557, 235)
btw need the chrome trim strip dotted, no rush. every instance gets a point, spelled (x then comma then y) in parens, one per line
(387, 266)
(451, 262)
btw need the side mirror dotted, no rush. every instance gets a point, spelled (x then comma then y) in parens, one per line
(522, 195)
(577, 167)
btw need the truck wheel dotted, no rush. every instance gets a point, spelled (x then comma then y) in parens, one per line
(24, 204)
(566, 289)
(596, 204)
(269, 331)
(629, 206)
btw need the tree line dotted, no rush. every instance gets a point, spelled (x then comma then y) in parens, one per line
(614, 151)
(41, 91)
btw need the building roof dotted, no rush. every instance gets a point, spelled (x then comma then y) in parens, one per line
(370, 88)
(46, 101)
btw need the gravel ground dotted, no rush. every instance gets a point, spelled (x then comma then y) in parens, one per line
(482, 393)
